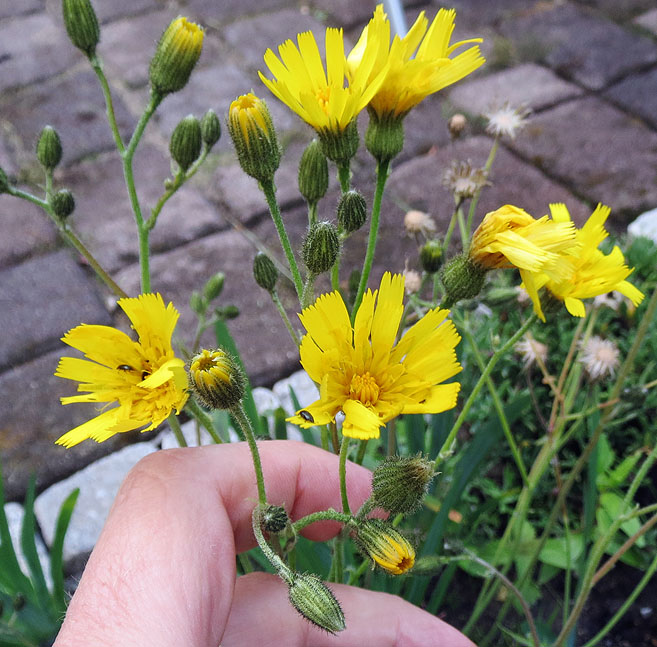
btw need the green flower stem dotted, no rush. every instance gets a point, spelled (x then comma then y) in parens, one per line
(178, 181)
(344, 177)
(177, 431)
(270, 195)
(337, 567)
(307, 296)
(639, 476)
(323, 515)
(344, 450)
(498, 406)
(358, 573)
(625, 606)
(127, 156)
(285, 318)
(49, 173)
(72, 239)
(312, 213)
(335, 274)
(450, 227)
(381, 179)
(240, 416)
(97, 66)
(465, 235)
(275, 560)
(480, 383)
(477, 195)
(362, 448)
(195, 410)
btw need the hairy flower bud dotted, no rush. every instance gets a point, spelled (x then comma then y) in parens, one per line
(176, 55)
(315, 602)
(313, 173)
(265, 272)
(462, 278)
(214, 285)
(321, 247)
(186, 142)
(431, 256)
(385, 545)
(274, 518)
(81, 25)
(216, 379)
(399, 483)
(62, 203)
(49, 148)
(384, 137)
(340, 146)
(254, 137)
(456, 125)
(210, 128)
(352, 211)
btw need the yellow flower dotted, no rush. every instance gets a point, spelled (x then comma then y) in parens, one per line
(320, 97)
(362, 372)
(589, 272)
(419, 64)
(386, 546)
(143, 377)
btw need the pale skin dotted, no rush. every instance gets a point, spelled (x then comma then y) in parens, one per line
(163, 571)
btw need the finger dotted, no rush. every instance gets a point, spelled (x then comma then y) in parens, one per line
(262, 615)
(164, 566)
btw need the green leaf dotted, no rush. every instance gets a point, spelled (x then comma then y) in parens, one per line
(613, 506)
(57, 551)
(606, 457)
(280, 426)
(554, 552)
(619, 474)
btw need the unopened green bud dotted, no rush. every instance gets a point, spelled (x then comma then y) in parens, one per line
(62, 203)
(227, 312)
(175, 56)
(399, 484)
(384, 137)
(49, 148)
(385, 545)
(210, 128)
(462, 278)
(431, 256)
(4, 182)
(315, 602)
(197, 303)
(214, 285)
(313, 173)
(341, 146)
(186, 142)
(265, 272)
(352, 211)
(321, 247)
(216, 379)
(254, 137)
(81, 25)
(274, 518)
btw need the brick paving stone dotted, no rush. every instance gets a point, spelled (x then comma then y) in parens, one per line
(345, 13)
(619, 11)
(528, 84)
(637, 94)
(568, 39)
(212, 12)
(261, 337)
(74, 106)
(484, 12)
(108, 11)
(33, 48)
(7, 153)
(418, 184)
(269, 31)
(9, 9)
(648, 20)
(104, 219)
(26, 229)
(42, 298)
(98, 483)
(33, 419)
(605, 154)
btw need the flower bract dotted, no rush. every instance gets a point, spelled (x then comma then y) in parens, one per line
(419, 64)
(588, 273)
(143, 378)
(364, 372)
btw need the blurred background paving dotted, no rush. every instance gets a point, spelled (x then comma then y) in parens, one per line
(587, 69)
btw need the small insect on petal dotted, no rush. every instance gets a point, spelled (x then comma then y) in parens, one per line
(306, 416)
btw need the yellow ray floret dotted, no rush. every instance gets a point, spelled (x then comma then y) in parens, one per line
(364, 373)
(589, 272)
(419, 64)
(320, 96)
(143, 378)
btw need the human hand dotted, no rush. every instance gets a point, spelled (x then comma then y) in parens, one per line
(163, 570)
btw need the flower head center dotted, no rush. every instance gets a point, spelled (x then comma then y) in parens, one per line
(209, 366)
(364, 388)
(323, 96)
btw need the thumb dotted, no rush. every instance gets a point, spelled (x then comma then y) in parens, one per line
(262, 615)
